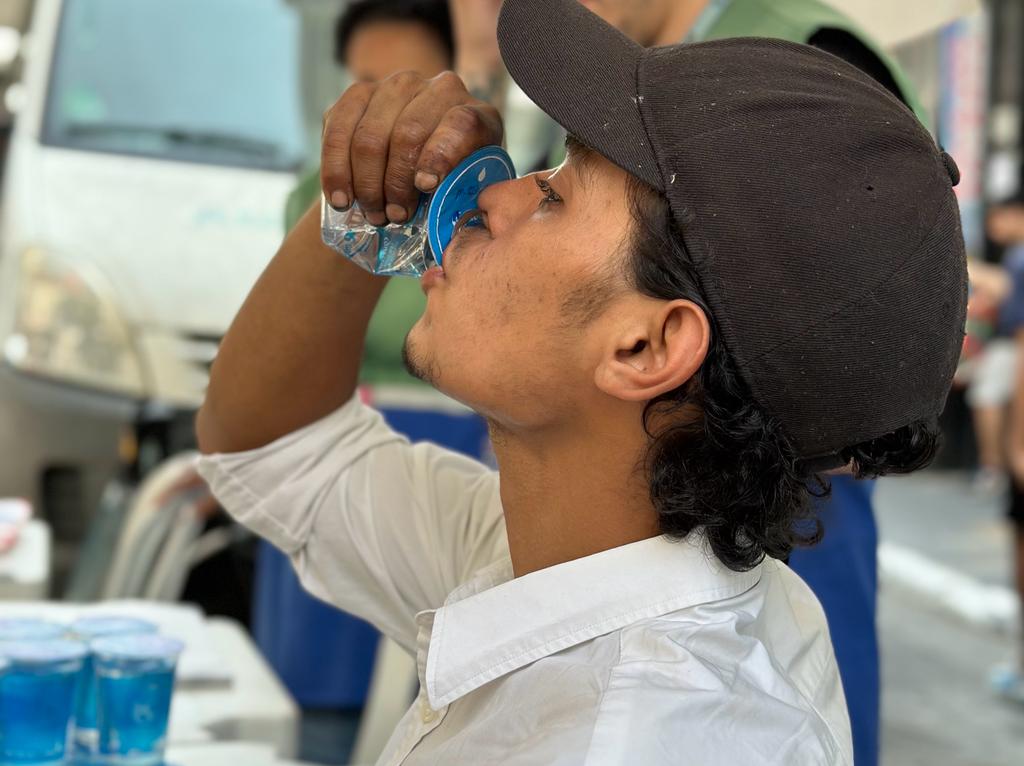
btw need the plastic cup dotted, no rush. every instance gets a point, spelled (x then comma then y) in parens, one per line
(135, 679)
(37, 700)
(29, 629)
(88, 629)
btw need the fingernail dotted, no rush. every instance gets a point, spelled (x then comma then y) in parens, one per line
(339, 200)
(376, 218)
(425, 181)
(396, 213)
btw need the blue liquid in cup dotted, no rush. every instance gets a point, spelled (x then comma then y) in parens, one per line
(135, 680)
(37, 698)
(89, 629)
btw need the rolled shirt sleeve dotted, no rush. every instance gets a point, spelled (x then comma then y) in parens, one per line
(372, 524)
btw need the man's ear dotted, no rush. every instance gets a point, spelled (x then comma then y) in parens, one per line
(657, 350)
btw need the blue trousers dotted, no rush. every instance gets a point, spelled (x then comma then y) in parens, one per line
(842, 572)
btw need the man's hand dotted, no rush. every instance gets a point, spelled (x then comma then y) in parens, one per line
(384, 143)
(204, 505)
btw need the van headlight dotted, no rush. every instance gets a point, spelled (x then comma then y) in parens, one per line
(68, 327)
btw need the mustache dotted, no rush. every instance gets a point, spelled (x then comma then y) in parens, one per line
(458, 247)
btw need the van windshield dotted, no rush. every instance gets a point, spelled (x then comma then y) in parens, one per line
(212, 81)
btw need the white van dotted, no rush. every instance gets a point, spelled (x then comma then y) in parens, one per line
(154, 146)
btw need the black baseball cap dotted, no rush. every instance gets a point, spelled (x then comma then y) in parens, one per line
(818, 211)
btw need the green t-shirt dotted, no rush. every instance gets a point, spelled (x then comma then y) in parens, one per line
(800, 21)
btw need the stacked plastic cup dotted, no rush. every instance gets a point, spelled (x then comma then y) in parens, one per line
(37, 699)
(89, 629)
(135, 679)
(29, 629)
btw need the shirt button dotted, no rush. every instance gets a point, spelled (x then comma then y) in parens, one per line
(427, 713)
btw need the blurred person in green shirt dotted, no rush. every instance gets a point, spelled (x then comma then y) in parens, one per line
(374, 39)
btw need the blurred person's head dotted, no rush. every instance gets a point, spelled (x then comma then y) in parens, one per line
(376, 38)
(649, 22)
(1006, 223)
(716, 287)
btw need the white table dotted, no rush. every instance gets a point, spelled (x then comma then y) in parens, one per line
(254, 708)
(25, 569)
(221, 753)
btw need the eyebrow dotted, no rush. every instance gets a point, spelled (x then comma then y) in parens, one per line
(584, 159)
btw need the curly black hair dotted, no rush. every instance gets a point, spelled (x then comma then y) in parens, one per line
(732, 470)
(433, 14)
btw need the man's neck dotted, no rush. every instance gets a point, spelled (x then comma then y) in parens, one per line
(679, 21)
(566, 496)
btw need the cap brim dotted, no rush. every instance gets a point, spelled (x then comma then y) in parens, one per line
(583, 73)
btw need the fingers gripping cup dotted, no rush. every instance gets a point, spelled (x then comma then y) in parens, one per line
(37, 698)
(88, 629)
(413, 247)
(135, 680)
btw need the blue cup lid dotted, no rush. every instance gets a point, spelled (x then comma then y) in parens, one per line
(459, 191)
(29, 629)
(43, 652)
(138, 646)
(110, 625)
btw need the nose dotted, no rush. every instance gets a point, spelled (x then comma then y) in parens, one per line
(509, 201)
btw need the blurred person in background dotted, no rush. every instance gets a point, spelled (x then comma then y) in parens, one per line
(988, 369)
(842, 569)
(374, 39)
(1006, 228)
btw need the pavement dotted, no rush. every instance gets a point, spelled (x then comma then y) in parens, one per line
(945, 618)
(938, 514)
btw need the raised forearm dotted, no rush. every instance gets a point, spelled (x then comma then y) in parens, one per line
(292, 354)
(485, 78)
(477, 58)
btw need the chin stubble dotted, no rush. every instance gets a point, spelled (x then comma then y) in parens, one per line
(420, 369)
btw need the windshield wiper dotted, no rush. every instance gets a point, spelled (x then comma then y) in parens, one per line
(253, 147)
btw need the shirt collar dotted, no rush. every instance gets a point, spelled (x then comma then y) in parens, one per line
(495, 624)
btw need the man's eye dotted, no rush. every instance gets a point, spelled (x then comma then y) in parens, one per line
(471, 219)
(550, 195)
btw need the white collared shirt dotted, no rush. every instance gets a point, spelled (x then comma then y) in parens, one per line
(649, 654)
